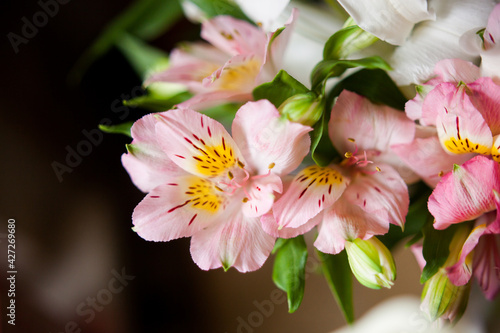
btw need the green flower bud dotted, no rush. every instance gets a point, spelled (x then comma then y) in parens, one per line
(371, 263)
(304, 108)
(441, 299)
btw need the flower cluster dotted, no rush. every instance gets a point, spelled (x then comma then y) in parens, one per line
(236, 194)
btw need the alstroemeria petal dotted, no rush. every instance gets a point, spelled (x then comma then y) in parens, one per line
(145, 162)
(384, 195)
(455, 71)
(426, 157)
(485, 96)
(435, 101)
(178, 209)
(267, 141)
(147, 173)
(209, 99)
(466, 193)
(261, 194)
(238, 74)
(487, 264)
(461, 272)
(374, 127)
(197, 143)
(190, 65)
(461, 127)
(263, 11)
(278, 42)
(345, 221)
(490, 63)
(237, 241)
(431, 41)
(492, 31)
(495, 149)
(391, 21)
(234, 36)
(270, 226)
(311, 191)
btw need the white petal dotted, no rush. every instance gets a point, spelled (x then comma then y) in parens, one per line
(389, 20)
(431, 41)
(263, 11)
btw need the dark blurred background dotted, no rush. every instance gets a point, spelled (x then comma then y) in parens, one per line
(73, 231)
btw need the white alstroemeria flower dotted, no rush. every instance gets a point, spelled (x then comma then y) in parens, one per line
(391, 21)
(264, 12)
(315, 24)
(430, 40)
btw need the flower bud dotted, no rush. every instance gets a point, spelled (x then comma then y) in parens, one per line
(441, 299)
(353, 40)
(304, 108)
(371, 263)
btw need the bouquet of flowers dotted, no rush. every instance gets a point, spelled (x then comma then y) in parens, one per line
(361, 123)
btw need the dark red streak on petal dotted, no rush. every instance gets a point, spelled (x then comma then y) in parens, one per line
(179, 206)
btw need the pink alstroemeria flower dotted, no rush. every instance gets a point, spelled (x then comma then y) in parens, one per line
(469, 192)
(212, 187)
(357, 198)
(238, 57)
(459, 109)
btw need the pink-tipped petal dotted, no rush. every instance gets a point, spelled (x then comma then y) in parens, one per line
(461, 127)
(197, 143)
(261, 195)
(466, 193)
(213, 98)
(270, 226)
(461, 272)
(487, 265)
(492, 31)
(190, 65)
(455, 71)
(146, 163)
(383, 195)
(416, 249)
(345, 221)
(238, 242)
(267, 141)
(178, 209)
(426, 157)
(374, 127)
(234, 36)
(311, 191)
(485, 96)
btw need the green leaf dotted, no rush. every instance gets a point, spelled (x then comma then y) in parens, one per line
(279, 89)
(157, 103)
(384, 91)
(213, 8)
(143, 57)
(145, 19)
(289, 270)
(339, 277)
(418, 215)
(326, 69)
(123, 128)
(436, 248)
